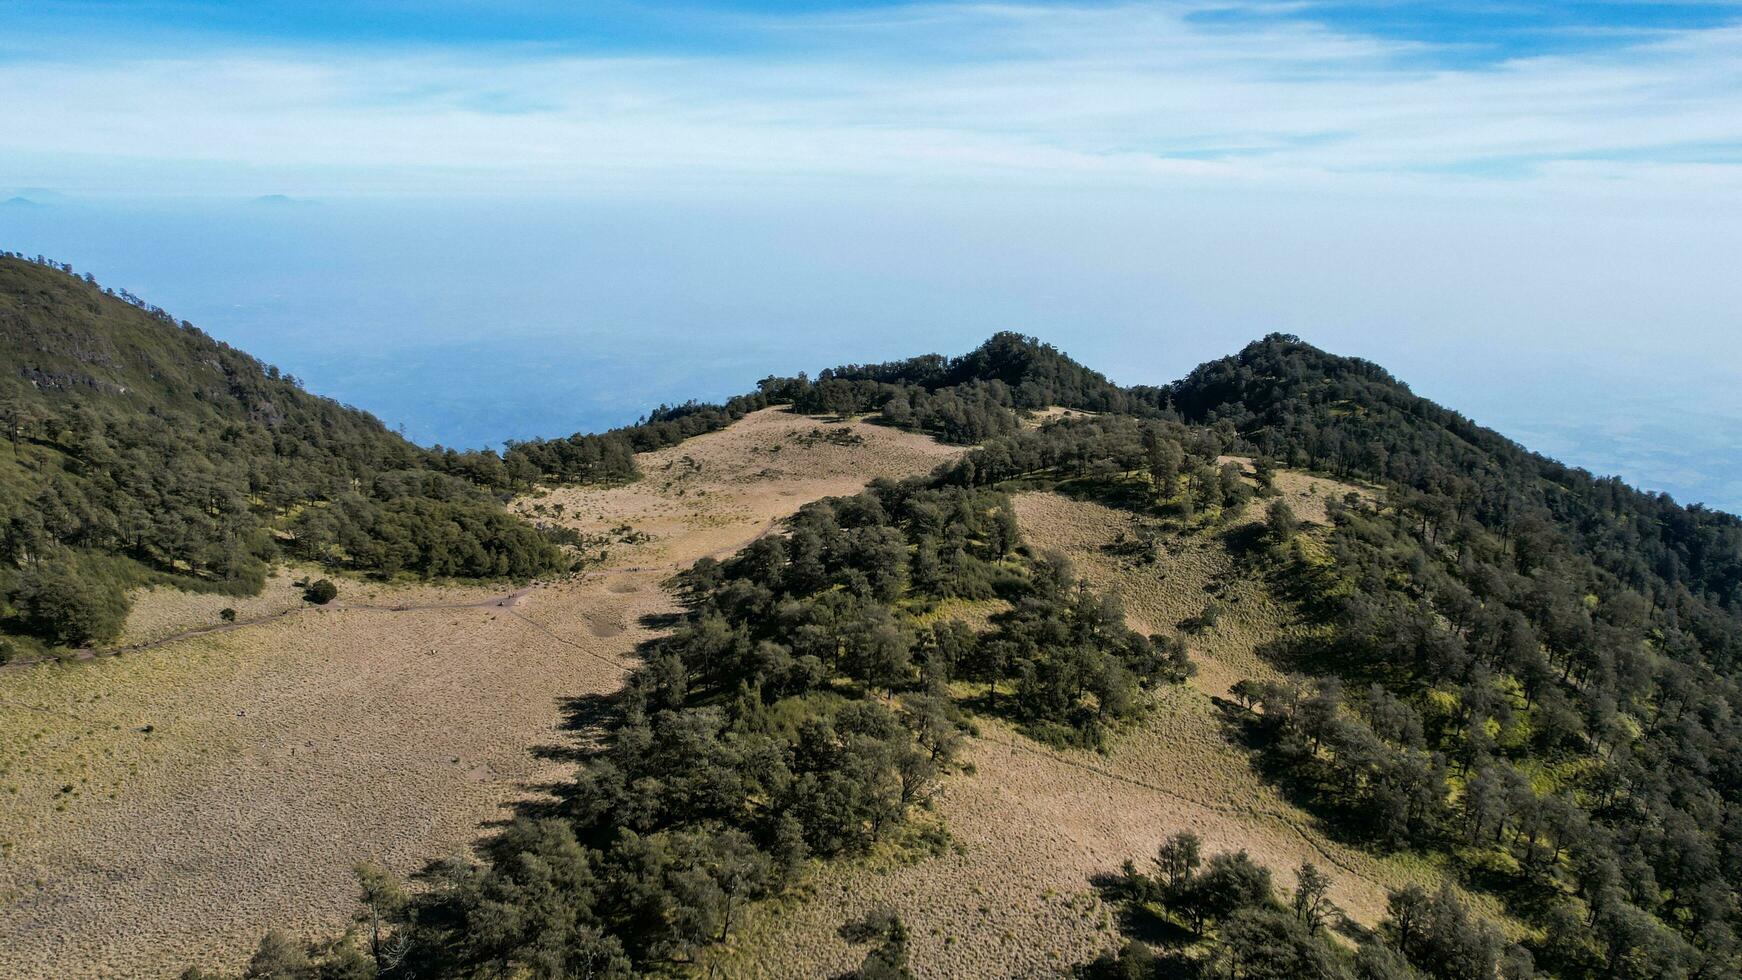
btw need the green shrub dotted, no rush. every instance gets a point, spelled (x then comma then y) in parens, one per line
(61, 603)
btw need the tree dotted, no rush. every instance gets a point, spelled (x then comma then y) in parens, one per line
(1405, 908)
(321, 592)
(1279, 522)
(1440, 936)
(1229, 881)
(1133, 961)
(1377, 961)
(1164, 460)
(62, 604)
(741, 871)
(1311, 901)
(928, 716)
(1260, 943)
(278, 957)
(381, 899)
(1177, 860)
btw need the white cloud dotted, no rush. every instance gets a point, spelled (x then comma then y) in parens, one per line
(1104, 96)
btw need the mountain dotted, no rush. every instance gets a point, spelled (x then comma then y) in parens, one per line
(1348, 416)
(1501, 694)
(139, 449)
(1515, 679)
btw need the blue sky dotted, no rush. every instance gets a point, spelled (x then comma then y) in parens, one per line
(1530, 211)
(1502, 27)
(566, 98)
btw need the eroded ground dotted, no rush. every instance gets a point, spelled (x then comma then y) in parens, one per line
(161, 808)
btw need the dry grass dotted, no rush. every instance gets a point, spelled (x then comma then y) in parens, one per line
(701, 497)
(1307, 494)
(1189, 573)
(159, 809)
(1038, 418)
(162, 612)
(1034, 825)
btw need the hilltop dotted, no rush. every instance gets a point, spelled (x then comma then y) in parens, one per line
(1276, 670)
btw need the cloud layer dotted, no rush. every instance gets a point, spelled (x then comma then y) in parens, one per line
(1138, 95)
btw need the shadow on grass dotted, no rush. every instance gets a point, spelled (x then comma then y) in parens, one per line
(1526, 893)
(1299, 779)
(1134, 496)
(588, 723)
(660, 621)
(1084, 732)
(1246, 543)
(1140, 920)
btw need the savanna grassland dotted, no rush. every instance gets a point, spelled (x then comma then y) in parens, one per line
(1000, 880)
(162, 807)
(1276, 671)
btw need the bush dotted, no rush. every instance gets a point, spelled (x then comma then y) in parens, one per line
(61, 603)
(1280, 522)
(321, 592)
(227, 614)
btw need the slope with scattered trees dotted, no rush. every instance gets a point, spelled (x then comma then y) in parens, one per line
(799, 710)
(1523, 672)
(139, 450)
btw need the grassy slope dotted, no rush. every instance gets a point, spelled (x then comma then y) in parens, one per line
(1030, 826)
(176, 410)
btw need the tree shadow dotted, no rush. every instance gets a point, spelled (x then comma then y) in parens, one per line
(1246, 543)
(1354, 931)
(1525, 892)
(1140, 920)
(659, 621)
(1127, 495)
(586, 726)
(1296, 778)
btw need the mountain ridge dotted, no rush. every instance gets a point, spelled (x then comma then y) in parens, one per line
(1522, 676)
(88, 361)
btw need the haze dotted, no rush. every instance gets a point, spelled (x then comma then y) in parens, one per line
(490, 227)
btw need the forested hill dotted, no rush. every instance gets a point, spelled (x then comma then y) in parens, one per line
(140, 449)
(964, 399)
(1288, 400)
(1305, 407)
(1523, 676)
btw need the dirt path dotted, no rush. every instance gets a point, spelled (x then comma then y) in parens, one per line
(92, 653)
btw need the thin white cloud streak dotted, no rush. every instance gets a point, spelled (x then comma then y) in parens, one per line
(1096, 96)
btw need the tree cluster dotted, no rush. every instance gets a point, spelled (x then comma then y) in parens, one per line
(1238, 927)
(132, 439)
(799, 710)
